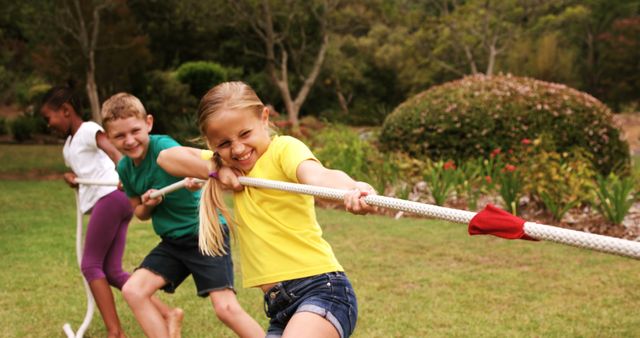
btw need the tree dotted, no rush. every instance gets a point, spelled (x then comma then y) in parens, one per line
(97, 39)
(621, 62)
(294, 38)
(85, 29)
(480, 30)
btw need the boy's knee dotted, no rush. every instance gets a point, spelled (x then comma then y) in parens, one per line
(131, 293)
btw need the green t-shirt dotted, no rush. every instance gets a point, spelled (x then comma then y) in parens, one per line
(177, 215)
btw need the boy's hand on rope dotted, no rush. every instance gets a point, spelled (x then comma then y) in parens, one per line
(151, 202)
(354, 200)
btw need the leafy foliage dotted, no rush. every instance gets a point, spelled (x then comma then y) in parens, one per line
(441, 178)
(615, 195)
(3, 126)
(169, 101)
(25, 126)
(202, 75)
(472, 116)
(340, 147)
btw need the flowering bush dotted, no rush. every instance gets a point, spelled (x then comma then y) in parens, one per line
(471, 117)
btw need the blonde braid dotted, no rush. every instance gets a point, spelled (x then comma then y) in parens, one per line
(211, 240)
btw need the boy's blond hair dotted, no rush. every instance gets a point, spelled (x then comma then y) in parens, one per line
(120, 106)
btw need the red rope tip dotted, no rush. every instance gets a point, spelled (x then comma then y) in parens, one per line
(495, 221)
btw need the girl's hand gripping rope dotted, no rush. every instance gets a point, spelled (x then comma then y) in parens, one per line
(228, 179)
(193, 184)
(354, 200)
(70, 179)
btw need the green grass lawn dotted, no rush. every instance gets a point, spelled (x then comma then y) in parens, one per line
(18, 159)
(413, 278)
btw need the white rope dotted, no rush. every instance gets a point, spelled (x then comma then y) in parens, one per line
(172, 187)
(581, 239)
(91, 181)
(79, 246)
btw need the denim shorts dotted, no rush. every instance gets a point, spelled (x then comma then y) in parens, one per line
(174, 259)
(329, 295)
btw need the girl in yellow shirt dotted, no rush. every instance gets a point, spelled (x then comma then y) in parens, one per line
(306, 291)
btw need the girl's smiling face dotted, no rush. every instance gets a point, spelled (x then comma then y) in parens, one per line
(57, 119)
(239, 137)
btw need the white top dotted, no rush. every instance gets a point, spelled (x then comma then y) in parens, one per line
(86, 160)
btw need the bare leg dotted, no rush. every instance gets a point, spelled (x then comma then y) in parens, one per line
(104, 300)
(174, 322)
(138, 292)
(173, 317)
(309, 325)
(232, 315)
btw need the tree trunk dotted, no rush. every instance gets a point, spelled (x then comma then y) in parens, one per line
(92, 94)
(472, 63)
(342, 101)
(281, 78)
(493, 52)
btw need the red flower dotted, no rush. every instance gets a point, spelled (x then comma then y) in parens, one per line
(496, 152)
(509, 168)
(449, 165)
(526, 141)
(488, 179)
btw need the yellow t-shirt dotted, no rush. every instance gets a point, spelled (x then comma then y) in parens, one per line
(280, 238)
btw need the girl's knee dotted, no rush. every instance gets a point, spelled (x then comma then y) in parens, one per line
(226, 308)
(117, 279)
(91, 273)
(225, 312)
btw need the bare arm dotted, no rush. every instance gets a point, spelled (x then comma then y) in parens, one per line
(183, 162)
(143, 205)
(313, 173)
(103, 143)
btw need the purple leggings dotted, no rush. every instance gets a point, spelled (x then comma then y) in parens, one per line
(106, 235)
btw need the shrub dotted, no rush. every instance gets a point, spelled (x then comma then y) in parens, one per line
(3, 126)
(202, 75)
(340, 147)
(441, 178)
(565, 178)
(24, 127)
(510, 187)
(472, 116)
(615, 195)
(169, 102)
(472, 182)
(29, 90)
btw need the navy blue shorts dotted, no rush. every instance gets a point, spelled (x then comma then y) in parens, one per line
(174, 259)
(329, 295)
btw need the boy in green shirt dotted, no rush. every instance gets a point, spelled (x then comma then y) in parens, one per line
(175, 219)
